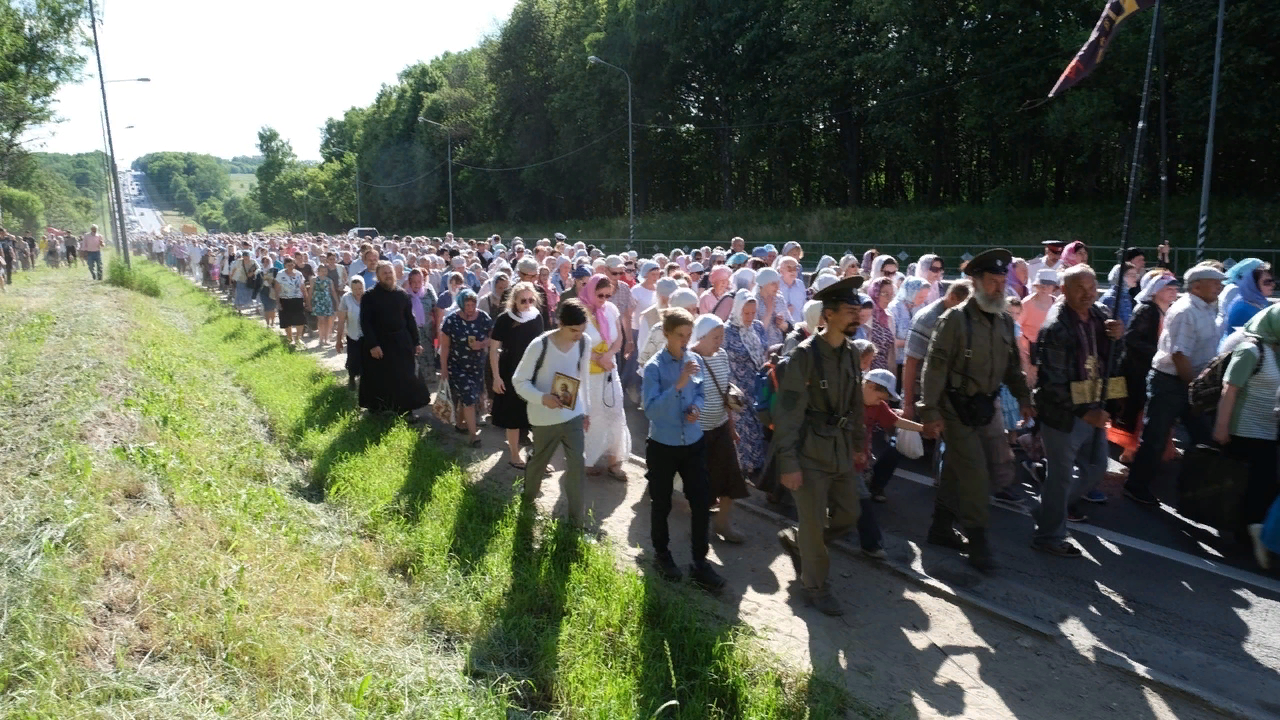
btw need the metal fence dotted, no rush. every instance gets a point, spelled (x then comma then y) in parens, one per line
(1102, 258)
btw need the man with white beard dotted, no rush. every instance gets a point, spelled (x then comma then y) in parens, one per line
(971, 355)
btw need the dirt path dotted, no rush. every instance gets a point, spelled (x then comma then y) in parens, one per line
(902, 650)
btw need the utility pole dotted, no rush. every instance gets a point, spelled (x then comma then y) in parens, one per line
(1208, 145)
(106, 168)
(106, 121)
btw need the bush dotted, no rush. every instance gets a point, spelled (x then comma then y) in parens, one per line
(122, 275)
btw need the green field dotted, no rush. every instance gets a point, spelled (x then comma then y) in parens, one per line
(241, 182)
(205, 525)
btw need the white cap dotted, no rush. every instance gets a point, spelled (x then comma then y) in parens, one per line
(683, 298)
(1203, 272)
(1047, 276)
(666, 286)
(695, 267)
(613, 261)
(884, 379)
(527, 266)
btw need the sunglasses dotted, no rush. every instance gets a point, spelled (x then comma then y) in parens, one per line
(605, 297)
(889, 272)
(936, 268)
(1268, 281)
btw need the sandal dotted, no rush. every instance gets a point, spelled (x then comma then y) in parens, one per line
(880, 498)
(518, 466)
(1061, 548)
(617, 473)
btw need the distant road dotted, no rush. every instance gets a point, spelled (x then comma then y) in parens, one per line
(137, 205)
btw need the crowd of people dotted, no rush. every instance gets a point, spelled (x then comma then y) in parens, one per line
(59, 248)
(809, 381)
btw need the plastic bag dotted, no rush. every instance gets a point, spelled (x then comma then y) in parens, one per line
(910, 445)
(442, 406)
(1271, 528)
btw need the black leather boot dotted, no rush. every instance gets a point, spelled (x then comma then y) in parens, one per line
(980, 550)
(942, 533)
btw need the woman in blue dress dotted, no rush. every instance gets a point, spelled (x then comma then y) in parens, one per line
(744, 340)
(464, 340)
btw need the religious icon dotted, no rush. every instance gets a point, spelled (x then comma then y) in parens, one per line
(566, 389)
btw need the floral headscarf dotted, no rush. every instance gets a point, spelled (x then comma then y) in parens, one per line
(907, 293)
(588, 298)
(868, 257)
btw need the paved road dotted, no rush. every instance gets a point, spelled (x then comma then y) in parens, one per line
(1153, 588)
(137, 205)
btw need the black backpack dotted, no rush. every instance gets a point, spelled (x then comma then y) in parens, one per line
(1204, 392)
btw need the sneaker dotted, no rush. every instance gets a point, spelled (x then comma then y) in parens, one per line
(705, 576)
(1075, 515)
(1062, 548)
(1260, 552)
(877, 553)
(824, 601)
(1140, 495)
(1095, 496)
(667, 567)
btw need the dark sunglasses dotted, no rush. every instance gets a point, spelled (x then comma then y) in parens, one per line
(605, 297)
(936, 268)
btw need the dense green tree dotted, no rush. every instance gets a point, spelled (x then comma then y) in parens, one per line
(742, 104)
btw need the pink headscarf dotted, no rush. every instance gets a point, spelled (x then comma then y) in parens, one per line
(1071, 254)
(588, 298)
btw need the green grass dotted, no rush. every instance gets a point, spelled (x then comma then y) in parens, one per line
(242, 182)
(124, 276)
(950, 231)
(166, 556)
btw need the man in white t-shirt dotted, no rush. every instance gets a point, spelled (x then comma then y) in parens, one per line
(1052, 256)
(552, 379)
(91, 248)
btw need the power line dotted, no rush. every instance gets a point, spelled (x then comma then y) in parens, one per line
(544, 162)
(406, 182)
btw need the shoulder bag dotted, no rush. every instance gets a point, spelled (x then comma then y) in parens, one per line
(734, 399)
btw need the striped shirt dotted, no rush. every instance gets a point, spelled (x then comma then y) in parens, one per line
(716, 379)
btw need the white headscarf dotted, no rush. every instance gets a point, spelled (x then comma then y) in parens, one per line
(1153, 285)
(755, 348)
(922, 271)
(744, 279)
(703, 325)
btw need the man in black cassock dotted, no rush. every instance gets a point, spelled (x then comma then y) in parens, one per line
(390, 342)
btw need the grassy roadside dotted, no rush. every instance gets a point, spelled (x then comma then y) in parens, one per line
(162, 558)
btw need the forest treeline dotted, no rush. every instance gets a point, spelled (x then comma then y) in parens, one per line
(787, 104)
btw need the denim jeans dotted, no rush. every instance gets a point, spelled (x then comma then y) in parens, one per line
(93, 258)
(1166, 404)
(1074, 462)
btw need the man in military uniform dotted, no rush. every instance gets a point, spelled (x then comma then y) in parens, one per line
(820, 436)
(971, 354)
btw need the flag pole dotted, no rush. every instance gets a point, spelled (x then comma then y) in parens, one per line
(1208, 145)
(1133, 189)
(1164, 134)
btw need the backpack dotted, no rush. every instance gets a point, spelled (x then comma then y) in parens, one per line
(769, 378)
(1204, 392)
(542, 355)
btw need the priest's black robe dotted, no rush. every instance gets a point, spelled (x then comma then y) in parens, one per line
(389, 383)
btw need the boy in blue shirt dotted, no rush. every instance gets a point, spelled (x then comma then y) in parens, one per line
(673, 400)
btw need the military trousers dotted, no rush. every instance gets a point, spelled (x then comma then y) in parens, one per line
(822, 490)
(977, 461)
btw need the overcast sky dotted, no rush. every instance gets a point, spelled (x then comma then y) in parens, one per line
(221, 70)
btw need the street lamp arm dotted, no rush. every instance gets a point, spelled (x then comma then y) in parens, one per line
(631, 153)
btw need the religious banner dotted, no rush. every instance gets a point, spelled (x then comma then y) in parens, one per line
(1091, 54)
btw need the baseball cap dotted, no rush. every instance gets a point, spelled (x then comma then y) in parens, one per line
(884, 379)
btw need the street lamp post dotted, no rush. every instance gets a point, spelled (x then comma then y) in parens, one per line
(448, 151)
(631, 152)
(106, 121)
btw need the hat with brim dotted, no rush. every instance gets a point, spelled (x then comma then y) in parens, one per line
(1053, 243)
(884, 379)
(995, 260)
(1203, 272)
(1046, 276)
(843, 291)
